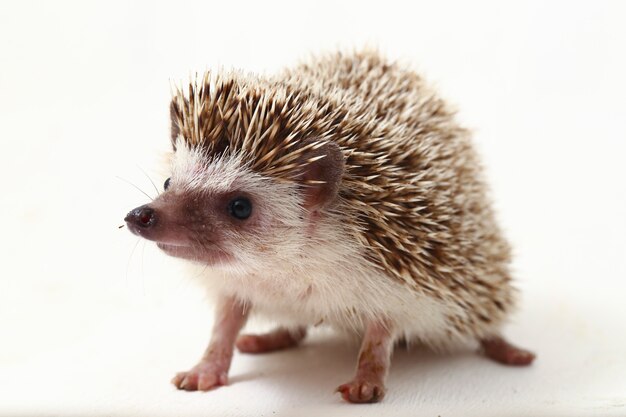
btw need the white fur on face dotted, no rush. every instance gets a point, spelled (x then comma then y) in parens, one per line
(193, 169)
(275, 232)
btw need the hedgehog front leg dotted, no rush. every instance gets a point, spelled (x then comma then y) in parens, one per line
(212, 370)
(368, 385)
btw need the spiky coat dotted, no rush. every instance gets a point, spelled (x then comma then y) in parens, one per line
(412, 201)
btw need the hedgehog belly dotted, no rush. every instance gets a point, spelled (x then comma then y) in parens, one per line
(345, 299)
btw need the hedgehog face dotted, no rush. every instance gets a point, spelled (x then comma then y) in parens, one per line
(217, 211)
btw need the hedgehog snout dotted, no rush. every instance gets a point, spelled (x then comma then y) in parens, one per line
(141, 218)
(159, 221)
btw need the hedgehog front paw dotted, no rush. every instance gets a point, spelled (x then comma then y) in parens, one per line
(202, 377)
(362, 390)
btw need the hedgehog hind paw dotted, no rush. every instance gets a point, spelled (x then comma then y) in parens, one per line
(501, 351)
(278, 339)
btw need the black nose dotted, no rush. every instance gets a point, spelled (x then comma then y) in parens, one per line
(143, 216)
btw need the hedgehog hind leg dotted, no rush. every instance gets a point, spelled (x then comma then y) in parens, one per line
(277, 339)
(500, 350)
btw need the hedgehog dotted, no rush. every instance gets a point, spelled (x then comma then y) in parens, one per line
(340, 192)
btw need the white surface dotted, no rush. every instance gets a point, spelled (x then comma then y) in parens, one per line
(93, 323)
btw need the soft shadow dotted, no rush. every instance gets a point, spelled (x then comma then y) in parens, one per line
(323, 363)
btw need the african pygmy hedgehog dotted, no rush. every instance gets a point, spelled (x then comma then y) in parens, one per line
(340, 192)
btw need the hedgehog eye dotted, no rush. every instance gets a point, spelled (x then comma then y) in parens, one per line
(166, 184)
(240, 208)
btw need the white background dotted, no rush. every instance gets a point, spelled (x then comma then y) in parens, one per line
(94, 323)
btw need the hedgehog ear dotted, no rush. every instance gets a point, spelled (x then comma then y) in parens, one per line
(322, 177)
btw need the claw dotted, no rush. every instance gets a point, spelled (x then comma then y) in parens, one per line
(202, 377)
(359, 391)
